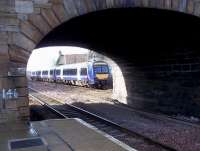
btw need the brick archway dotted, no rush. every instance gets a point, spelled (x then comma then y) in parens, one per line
(24, 23)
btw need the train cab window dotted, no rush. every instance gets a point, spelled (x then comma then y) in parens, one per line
(97, 69)
(101, 69)
(83, 71)
(104, 69)
(51, 72)
(57, 72)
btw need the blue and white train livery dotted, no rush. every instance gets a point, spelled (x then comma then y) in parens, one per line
(93, 73)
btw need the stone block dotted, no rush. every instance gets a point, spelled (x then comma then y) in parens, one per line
(167, 4)
(8, 19)
(183, 5)
(145, 3)
(101, 4)
(3, 59)
(31, 31)
(24, 7)
(3, 117)
(20, 82)
(22, 92)
(11, 104)
(156, 3)
(3, 38)
(197, 9)
(61, 13)
(57, 1)
(175, 4)
(4, 56)
(24, 111)
(12, 115)
(190, 6)
(112, 4)
(90, 4)
(22, 17)
(8, 28)
(50, 17)
(6, 83)
(79, 7)
(37, 10)
(22, 41)
(18, 54)
(41, 1)
(7, 8)
(7, 3)
(46, 5)
(39, 22)
(22, 102)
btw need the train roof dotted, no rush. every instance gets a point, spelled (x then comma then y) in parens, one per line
(72, 65)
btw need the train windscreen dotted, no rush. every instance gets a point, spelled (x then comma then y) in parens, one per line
(101, 69)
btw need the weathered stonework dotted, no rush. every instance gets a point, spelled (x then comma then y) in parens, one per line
(39, 22)
(31, 31)
(24, 23)
(4, 57)
(18, 54)
(50, 17)
(22, 6)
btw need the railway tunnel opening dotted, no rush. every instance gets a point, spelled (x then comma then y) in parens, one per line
(71, 74)
(156, 50)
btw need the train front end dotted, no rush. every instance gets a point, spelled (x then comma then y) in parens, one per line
(101, 73)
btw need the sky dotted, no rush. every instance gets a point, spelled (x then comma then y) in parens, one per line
(46, 57)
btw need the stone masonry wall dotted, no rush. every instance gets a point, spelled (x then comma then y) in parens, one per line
(171, 88)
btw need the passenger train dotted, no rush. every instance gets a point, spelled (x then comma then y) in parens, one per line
(91, 74)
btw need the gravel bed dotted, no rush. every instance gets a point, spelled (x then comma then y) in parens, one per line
(179, 136)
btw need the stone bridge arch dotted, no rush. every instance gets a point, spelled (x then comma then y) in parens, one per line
(23, 24)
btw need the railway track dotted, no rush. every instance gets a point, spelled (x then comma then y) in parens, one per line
(131, 138)
(160, 116)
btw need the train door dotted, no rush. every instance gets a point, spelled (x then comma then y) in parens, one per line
(78, 73)
(54, 75)
(90, 73)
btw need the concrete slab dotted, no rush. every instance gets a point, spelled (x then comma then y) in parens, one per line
(14, 130)
(76, 135)
(58, 135)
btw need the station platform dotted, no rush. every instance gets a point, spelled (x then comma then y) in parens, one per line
(57, 135)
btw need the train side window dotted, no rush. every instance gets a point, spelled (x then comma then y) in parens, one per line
(51, 72)
(57, 72)
(73, 71)
(38, 73)
(66, 72)
(44, 72)
(69, 71)
(83, 71)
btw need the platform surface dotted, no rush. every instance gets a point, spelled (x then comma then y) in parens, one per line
(14, 130)
(76, 135)
(59, 135)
